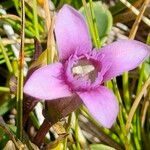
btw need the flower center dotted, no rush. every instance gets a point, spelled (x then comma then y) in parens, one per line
(84, 69)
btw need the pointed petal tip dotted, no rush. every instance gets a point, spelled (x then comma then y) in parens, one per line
(72, 34)
(109, 123)
(124, 55)
(102, 105)
(45, 84)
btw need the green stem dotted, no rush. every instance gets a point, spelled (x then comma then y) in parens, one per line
(4, 89)
(8, 54)
(9, 66)
(48, 56)
(95, 29)
(139, 127)
(76, 131)
(120, 134)
(126, 94)
(122, 114)
(148, 39)
(117, 93)
(109, 84)
(135, 131)
(68, 127)
(140, 82)
(145, 73)
(17, 4)
(3, 60)
(136, 123)
(90, 22)
(105, 130)
(17, 27)
(35, 18)
(19, 104)
(34, 120)
(20, 80)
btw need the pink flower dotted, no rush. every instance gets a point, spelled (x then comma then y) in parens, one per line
(81, 70)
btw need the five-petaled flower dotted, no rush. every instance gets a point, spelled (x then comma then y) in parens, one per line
(81, 70)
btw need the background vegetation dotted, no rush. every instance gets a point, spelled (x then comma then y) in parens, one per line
(26, 42)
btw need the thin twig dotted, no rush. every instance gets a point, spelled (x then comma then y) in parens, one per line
(47, 14)
(138, 20)
(50, 43)
(6, 41)
(11, 136)
(135, 11)
(136, 103)
(10, 16)
(50, 26)
(132, 36)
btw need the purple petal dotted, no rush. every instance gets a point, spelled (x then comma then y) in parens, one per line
(71, 33)
(102, 105)
(124, 55)
(45, 83)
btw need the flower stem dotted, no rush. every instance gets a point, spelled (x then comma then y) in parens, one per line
(44, 128)
(136, 11)
(21, 77)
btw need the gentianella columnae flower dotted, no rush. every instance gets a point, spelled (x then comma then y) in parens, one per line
(82, 70)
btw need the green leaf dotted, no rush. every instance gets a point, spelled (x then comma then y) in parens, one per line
(103, 20)
(41, 61)
(100, 147)
(119, 7)
(6, 106)
(3, 138)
